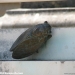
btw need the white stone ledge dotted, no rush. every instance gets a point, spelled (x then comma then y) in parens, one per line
(38, 68)
(57, 17)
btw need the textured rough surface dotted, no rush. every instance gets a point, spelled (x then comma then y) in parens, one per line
(31, 40)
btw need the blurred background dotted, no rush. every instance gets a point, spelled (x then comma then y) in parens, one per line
(42, 4)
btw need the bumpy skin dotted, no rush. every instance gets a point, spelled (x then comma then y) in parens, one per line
(31, 40)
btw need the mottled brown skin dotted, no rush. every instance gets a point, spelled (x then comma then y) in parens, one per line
(31, 40)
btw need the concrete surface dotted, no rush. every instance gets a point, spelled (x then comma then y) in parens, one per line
(37, 68)
(56, 17)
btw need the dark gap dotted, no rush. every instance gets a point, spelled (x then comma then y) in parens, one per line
(48, 4)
